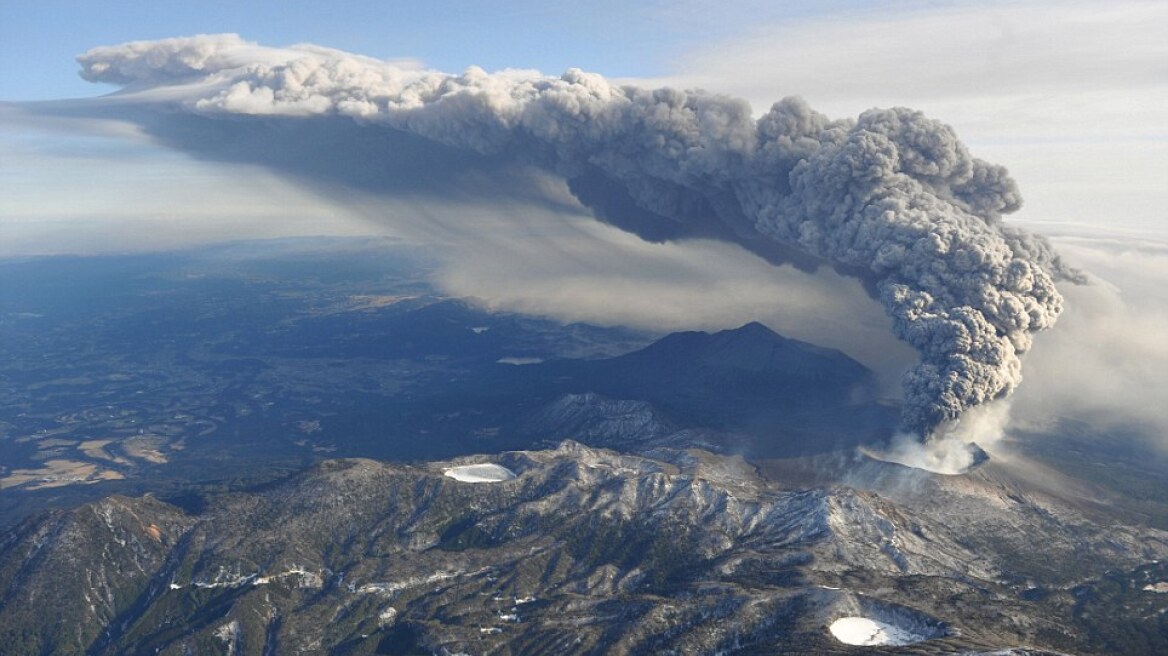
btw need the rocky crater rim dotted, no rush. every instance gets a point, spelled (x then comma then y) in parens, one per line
(947, 458)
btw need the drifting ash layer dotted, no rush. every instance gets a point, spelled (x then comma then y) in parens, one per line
(584, 551)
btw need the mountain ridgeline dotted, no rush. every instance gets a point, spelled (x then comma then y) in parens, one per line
(585, 551)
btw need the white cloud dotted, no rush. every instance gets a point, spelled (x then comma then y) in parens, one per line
(1106, 361)
(1066, 92)
(1039, 51)
(1091, 188)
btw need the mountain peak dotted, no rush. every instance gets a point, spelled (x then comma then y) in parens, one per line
(750, 347)
(753, 333)
(752, 328)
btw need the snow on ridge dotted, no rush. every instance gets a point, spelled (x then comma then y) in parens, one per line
(482, 473)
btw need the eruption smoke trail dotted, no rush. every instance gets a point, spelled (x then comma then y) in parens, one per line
(892, 197)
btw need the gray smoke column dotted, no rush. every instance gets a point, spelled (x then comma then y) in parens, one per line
(892, 197)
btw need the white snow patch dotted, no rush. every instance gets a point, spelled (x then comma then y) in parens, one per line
(1161, 587)
(867, 632)
(519, 361)
(484, 473)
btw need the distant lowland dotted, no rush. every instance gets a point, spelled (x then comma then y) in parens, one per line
(227, 365)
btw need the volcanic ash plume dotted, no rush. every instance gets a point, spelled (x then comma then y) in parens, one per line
(892, 197)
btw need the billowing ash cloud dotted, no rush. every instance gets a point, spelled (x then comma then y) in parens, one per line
(891, 197)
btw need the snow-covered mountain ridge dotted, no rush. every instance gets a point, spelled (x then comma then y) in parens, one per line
(584, 551)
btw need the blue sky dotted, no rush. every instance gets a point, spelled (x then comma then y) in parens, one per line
(38, 40)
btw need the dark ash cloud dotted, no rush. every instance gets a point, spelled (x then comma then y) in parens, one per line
(893, 197)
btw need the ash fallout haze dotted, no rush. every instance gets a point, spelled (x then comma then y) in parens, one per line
(957, 207)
